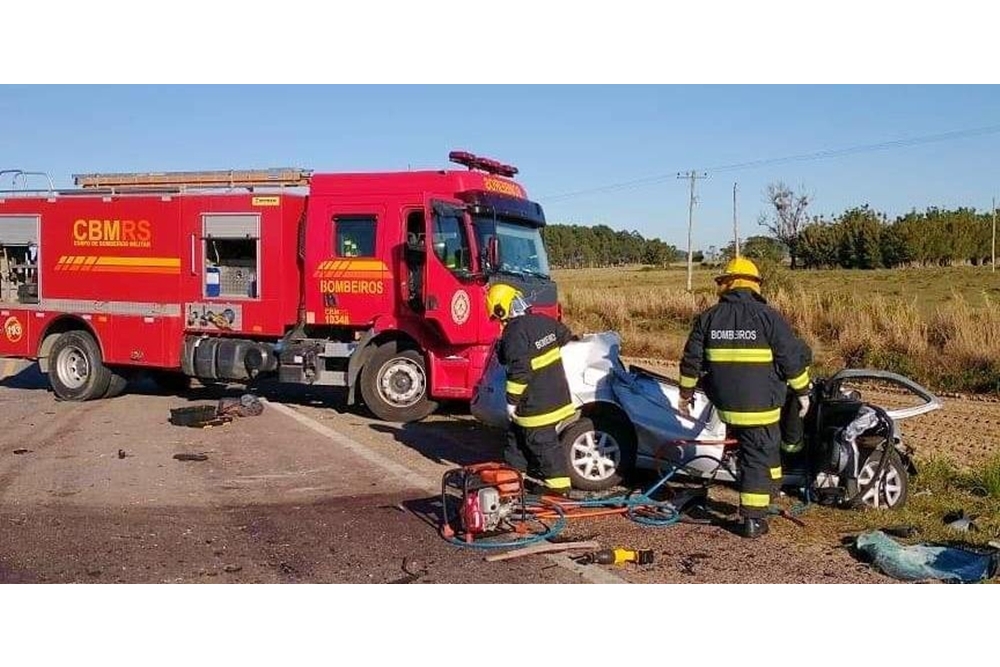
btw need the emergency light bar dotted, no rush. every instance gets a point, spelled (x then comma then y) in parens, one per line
(482, 163)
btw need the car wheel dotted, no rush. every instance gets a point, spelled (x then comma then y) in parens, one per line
(395, 386)
(600, 452)
(890, 490)
(76, 370)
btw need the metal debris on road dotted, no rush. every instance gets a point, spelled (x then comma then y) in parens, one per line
(958, 521)
(22, 451)
(191, 457)
(200, 416)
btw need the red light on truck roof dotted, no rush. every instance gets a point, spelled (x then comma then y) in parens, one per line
(486, 164)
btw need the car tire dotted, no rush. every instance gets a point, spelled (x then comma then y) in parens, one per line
(395, 385)
(76, 367)
(600, 452)
(892, 490)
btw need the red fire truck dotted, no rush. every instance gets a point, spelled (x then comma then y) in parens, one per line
(371, 281)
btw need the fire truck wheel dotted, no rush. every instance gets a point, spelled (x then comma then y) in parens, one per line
(117, 384)
(394, 384)
(76, 370)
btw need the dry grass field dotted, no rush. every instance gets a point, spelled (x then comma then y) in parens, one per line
(940, 326)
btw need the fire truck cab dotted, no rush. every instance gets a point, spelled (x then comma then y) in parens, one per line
(371, 281)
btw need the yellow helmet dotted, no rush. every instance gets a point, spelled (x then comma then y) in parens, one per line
(499, 300)
(739, 269)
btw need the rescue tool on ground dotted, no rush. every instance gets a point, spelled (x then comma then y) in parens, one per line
(485, 506)
(371, 281)
(617, 556)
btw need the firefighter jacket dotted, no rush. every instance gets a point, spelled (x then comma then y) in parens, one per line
(744, 353)
(529, 348)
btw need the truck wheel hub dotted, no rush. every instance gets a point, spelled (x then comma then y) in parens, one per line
(401, 382)
(73, 367)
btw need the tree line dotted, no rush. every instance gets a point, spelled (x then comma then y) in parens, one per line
(859, 238)
(862, 238)
(578, 246)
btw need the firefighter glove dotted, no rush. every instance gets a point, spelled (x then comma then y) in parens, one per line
(803, 405)
(685, 404)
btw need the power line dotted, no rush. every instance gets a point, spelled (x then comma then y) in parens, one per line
(802, 157)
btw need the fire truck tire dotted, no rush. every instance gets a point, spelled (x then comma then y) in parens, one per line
(76, 368)
(394, 384)
(117, 384)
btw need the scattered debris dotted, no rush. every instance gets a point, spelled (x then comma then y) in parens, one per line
(905, 531)
(410, 567)
(122, 454)
(920, 562)
(204, 416)
(785, 514)
(246, 405)
(688, 562)
(22, 451)
(232, 568)
(958, 521)
(542, 548)
(191, 457)
(197, 417)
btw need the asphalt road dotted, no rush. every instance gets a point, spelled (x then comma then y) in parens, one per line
(306, 492)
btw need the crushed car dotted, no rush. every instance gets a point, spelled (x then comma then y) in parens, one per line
(627, 419)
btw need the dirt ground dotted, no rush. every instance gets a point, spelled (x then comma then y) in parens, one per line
(306, 492)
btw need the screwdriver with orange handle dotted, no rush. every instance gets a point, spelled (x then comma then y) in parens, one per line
(617, 557)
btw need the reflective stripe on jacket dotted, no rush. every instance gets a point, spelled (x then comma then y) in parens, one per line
(747, 354)
(529, 348)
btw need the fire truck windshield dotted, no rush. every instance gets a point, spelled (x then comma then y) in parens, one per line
(521, 250)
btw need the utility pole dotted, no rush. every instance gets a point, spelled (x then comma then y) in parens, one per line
(993, 263)
(736, 228)
(692, 176)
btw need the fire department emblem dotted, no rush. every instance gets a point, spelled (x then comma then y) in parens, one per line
(460, 307)
(14, 331)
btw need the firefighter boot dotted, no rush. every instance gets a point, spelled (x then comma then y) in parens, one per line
(753, 528)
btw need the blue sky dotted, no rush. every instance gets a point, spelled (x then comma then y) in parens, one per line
(564, 139)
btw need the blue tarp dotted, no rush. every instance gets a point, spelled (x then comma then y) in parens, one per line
(919, 562)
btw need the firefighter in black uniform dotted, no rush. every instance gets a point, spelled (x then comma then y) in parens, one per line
(538, 396)
(747, 358)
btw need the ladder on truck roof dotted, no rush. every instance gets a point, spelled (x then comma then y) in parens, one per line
(182, 180)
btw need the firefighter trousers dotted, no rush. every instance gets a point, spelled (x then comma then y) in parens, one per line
(536, 451)
(760, 466)
(793, 427)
